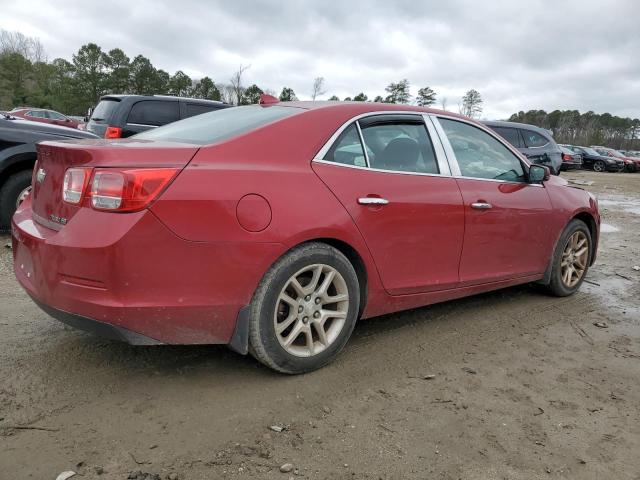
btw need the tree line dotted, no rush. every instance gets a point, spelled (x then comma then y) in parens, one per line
(589, 128)
(28, 78)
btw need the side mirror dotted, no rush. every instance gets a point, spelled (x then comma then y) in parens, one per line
(539, 173)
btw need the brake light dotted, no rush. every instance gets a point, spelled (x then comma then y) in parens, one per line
(75, 182)
(128, 190)
(566, 157)
(113, 132)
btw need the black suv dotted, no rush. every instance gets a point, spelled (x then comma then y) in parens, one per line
(18, 140)
(120, 116)
(535, 143)
(597, 162)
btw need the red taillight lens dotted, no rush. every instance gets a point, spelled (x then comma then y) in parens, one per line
(75, 181)
(566, 157)
(113, 132)
(128, 190)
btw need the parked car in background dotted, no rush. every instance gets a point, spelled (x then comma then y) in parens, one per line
(571, 160)
(535, 143)
(120, 116)
(593, 160)
(18, 140)
(273, 228)
(45, 116)
(632, 164)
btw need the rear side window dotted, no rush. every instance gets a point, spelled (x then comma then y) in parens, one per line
(479, 155)
(401, 147)
(154, 112)
(55, 115)
(511, 135)
(36, 114)
(533, 139)
(347, 149)
(197, 109)
(221, 124)
(104, 110)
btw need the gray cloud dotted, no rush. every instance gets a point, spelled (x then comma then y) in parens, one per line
(539, 54)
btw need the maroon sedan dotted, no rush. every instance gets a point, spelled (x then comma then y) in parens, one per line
(45, 116)
(274, 227)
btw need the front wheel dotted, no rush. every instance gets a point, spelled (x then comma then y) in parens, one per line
(304, 309)
(571, 259)
(599, 166)
(11, 193)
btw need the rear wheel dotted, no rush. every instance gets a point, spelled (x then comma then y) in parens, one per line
(14, 187)
(304, 309)
(599, 166)
(571, 259)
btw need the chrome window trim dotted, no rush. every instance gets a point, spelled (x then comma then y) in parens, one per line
(379, 170)
(443, 164)
(362, 144)
(143, 125)
(454, 161)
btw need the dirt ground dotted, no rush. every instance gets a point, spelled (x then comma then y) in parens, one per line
(525, 386)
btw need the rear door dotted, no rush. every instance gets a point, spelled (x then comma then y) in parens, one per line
(507, 231)
(402, 198)
(147, 114)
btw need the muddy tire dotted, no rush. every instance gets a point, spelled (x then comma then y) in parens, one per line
(9, 193)
(599, 166)
(304, 309)
(571, 259)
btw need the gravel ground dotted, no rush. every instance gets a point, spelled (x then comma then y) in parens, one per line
(512, 384)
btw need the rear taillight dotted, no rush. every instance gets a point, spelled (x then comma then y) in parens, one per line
(566, 157)
(113, 132)
(75, 182)
(128, 190)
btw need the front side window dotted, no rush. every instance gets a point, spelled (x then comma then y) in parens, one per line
(347, 150)
(402, 147)
(480, 155)
(194, 109)
(36, 114)
(55, 115)
(533, 139)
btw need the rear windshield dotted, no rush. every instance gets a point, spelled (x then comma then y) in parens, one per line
(219, 125)
(104, 110)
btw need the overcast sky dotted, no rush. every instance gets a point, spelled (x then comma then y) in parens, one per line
(582, 55)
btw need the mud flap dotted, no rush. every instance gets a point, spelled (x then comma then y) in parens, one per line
(240, 338)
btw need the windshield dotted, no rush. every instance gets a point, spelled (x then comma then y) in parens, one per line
(104, 110)
(219, 125)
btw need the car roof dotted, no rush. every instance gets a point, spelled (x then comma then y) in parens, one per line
(527, 126)
(155, 97)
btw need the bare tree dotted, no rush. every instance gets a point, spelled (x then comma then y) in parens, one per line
(16, 42)
(444, 103)
(318, 88)
(236, 84)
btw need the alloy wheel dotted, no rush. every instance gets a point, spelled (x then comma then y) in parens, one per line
(598, 166)
(311, 310)
(21, 197)
(574, 259)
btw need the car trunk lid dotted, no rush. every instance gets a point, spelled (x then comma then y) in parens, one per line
(54, 158)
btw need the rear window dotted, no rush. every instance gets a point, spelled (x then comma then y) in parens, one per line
(154, 112)
(198, 109)
(220, 125)
(104, 110)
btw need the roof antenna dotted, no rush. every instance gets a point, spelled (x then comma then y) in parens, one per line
(268, 99)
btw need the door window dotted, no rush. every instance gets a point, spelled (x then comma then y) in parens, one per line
(199, 108)
(55, 115)
(347, 150)
(36, 114)
(511, 135)
(402, 147)
(154, 112)
(533, 139)
(480, 155)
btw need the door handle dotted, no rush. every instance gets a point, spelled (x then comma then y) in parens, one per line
(481, 206)
(373, 201)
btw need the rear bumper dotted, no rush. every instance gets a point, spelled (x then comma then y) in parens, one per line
(571, 165)
(130, 278)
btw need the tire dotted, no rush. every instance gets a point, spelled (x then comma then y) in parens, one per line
(9, 192)
(558, 285)
(304, 263)
(599, 166)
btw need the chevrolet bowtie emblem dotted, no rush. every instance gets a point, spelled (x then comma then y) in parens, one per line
(40, 175)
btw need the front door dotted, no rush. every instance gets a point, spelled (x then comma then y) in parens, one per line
(410, 214)
(507, 231)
